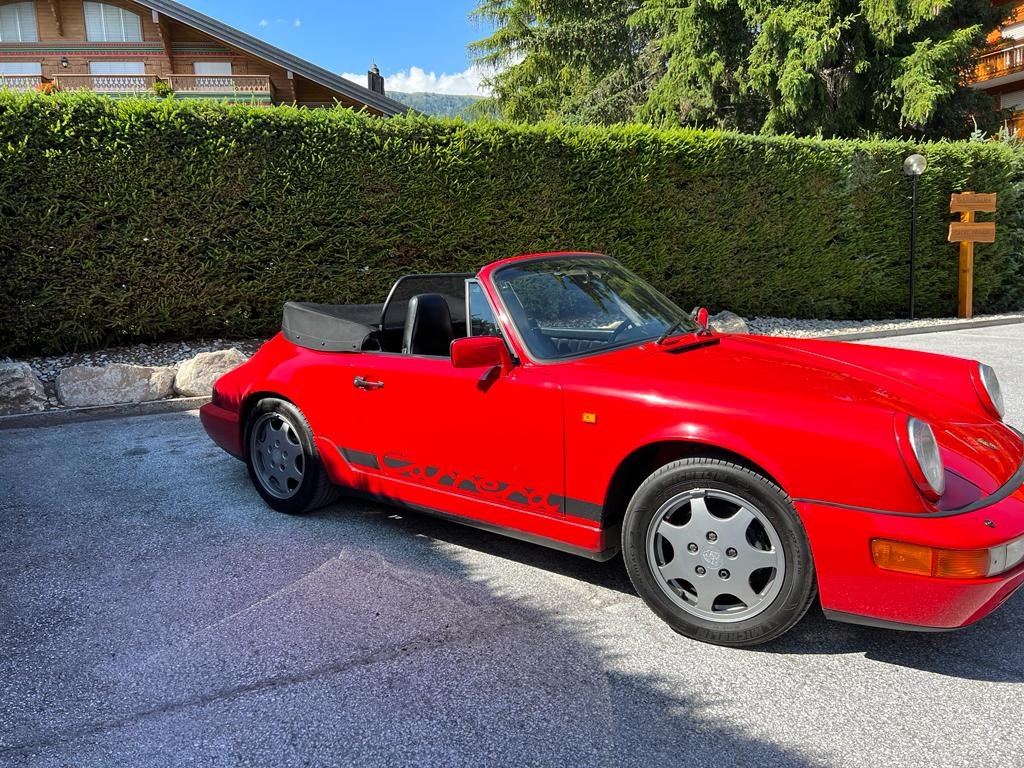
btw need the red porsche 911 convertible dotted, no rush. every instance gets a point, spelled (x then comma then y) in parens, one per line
(561, 399)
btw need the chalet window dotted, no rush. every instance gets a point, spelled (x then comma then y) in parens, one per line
(117, 67)
(111, 24)
(212, 67)
(21, 68)
(18, 23)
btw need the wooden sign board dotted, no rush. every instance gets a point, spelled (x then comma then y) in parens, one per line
(972, 232)
(972, 201)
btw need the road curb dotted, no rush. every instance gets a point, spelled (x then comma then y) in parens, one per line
(59, 416)
(855, 336)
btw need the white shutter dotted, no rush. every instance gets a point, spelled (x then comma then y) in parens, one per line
(18, 23)
(1013, 100)
(212, 67)
(21, 68)
(1013, 31)
(111, 24)
(117, 67)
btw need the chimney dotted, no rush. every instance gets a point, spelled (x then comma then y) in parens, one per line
(374, 81)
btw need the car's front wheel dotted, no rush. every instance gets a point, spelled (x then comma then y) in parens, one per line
(718, 552)
(282, 458)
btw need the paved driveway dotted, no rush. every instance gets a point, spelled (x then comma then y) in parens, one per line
(155, 613)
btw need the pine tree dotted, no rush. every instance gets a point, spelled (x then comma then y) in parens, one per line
(828, 67)
(575, 60)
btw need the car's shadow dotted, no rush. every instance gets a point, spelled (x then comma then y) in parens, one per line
(989, 650)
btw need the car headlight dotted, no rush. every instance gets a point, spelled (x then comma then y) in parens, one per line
(989, 391)
(920, 452)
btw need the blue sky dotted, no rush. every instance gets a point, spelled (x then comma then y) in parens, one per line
(419, 46)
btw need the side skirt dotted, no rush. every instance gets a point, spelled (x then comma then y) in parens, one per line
(532, 538)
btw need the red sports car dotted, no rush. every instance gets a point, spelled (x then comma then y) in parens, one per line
(561, 399)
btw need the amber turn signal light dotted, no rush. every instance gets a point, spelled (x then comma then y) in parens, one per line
(930, 561)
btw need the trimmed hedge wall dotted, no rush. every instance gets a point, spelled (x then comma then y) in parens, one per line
(159, 219)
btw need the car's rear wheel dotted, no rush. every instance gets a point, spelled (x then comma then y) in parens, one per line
(282, 458)
(718, 552)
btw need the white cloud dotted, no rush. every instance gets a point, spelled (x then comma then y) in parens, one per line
(414, 80)
(263, 23)
(298, 22)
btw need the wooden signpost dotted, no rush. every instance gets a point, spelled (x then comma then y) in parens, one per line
(967, 232)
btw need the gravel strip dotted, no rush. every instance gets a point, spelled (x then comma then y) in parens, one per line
(166, 353)
(786, 326)
(156, 354)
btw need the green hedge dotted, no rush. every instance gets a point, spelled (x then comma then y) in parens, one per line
(160, 219)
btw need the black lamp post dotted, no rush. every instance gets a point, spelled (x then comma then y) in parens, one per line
(913, 166)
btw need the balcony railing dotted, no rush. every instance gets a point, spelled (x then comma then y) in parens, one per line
(220, 85)
(1005, 61)
(235, 87)
(20, 82)
(106, 83)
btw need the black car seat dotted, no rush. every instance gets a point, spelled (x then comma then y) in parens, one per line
(428, 326)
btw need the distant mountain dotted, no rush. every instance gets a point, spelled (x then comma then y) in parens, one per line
(438, 104)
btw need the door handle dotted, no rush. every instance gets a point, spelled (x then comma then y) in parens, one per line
(362, 383)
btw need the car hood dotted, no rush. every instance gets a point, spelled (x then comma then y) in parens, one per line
(762, 375)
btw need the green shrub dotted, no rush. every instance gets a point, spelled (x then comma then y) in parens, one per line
(161, 219)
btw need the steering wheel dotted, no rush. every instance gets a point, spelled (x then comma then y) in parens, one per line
(624, 326)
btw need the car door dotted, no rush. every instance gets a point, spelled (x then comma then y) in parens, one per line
(436, 436)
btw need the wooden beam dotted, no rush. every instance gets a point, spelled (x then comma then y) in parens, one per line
(965, 285)
(57, 17)
(965, 291)
(165, 37)
(291, 86)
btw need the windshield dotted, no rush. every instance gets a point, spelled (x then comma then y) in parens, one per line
(564, 307)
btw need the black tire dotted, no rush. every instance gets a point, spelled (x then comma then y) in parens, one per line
(315, 488)
(798, 585)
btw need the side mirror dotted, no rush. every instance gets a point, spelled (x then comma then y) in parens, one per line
(481, 352)
(700, 316)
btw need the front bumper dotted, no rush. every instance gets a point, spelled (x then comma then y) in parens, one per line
(852, 587)
(223, 427)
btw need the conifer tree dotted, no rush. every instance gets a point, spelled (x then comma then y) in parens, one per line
(829, 67)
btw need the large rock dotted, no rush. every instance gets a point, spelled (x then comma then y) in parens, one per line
(728, 322)
(196, 376)
(20, 389)
(117, 383)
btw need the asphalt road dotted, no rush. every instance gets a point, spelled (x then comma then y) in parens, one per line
(155, 613)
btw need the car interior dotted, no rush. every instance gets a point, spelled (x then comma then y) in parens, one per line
(422, 315)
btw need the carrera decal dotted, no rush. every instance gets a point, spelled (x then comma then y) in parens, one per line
(498, 490)
(588, 510)
(359, 458)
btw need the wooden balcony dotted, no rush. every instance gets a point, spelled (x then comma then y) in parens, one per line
(20, 82)
(999, 63)
(110, 85)
(247, 88)
(234, 87)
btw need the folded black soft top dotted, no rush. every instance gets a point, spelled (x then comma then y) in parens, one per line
(332, 327)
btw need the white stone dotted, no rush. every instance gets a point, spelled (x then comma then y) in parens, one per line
(20, 389)
(82, 385)
(196, 376)
(728, 322)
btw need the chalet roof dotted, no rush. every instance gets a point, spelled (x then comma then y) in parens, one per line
(264, 50)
